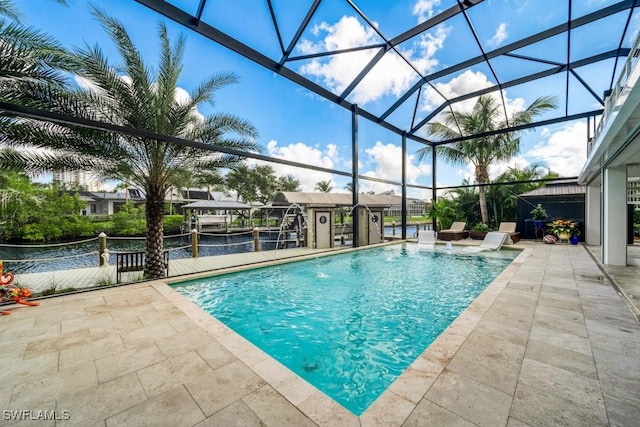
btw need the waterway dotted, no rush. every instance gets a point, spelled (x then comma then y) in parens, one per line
(35, 258)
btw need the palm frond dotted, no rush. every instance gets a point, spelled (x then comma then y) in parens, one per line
(205, 90)
(8, 9)
(40, 161)
(27, 54)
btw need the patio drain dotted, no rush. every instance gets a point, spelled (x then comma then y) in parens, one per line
(592, 278)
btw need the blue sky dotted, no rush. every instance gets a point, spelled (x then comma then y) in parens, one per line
(297, 125)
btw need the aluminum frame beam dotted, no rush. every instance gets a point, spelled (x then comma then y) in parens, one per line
(559, 68)
(554, 31)
(181, 17)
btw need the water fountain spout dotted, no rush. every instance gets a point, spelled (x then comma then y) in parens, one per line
(299, 225)
(370, 214)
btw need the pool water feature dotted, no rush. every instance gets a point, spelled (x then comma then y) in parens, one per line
(350, 323)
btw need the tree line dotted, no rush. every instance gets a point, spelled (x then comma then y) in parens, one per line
(31, 211)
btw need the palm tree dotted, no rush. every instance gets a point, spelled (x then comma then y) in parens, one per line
(444, 211)
(487, 115)
(466, 199)
(29, 59)
(503, 199)
(133, 95)
(323, 186)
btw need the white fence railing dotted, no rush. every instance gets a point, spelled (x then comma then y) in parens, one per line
(619, 92)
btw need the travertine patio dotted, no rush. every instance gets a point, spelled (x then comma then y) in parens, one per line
(550, 342)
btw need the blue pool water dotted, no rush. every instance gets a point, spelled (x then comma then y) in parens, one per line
(351, 323)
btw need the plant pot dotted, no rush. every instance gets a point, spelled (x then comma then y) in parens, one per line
(478, 235)
(538, 224)
(574, 240)
(564, 236)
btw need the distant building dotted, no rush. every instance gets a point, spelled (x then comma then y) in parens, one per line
(88, 181)
(106, 203)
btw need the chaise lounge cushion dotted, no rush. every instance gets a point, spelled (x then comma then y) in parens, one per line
(455, 232)
(510, 227)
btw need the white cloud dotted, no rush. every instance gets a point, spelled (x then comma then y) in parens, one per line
(500, 35)
(302, 153)
(565, 152)
(423, 53)
(424, 9)
(467, 82)
(385, 161)
(390, 76)
(499, 168)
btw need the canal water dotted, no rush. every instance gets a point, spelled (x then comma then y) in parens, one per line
(33, 259)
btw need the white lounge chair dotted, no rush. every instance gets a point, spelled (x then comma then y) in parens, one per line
(427, 237)
(494, 240)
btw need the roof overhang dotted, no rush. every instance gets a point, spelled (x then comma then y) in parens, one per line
(217, 204)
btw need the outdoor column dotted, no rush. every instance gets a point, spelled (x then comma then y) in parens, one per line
(433, 186)
(354, 172)
(593, 226)
(403, 211)
(614, 226)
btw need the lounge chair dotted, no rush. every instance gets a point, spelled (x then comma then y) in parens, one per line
(493, 241)
(455, 232)
(510, 227)
(427, 237)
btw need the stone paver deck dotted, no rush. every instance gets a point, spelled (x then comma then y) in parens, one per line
(549, 342)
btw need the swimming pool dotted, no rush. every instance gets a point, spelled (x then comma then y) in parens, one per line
(350, 323)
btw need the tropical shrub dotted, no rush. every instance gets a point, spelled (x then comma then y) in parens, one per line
(129, 220)
(172, 224)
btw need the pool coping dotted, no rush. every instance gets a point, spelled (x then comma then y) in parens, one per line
(399, 399)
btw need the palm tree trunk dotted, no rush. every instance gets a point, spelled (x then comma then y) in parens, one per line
(482, 177)
(484, 213)
(154, 267)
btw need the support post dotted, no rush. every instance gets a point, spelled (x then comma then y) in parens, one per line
(256, 239)
(433, 185)
(355, 173)
(614, 233)
(593, 207)
(102, 239)
(194, 243)
(403, 221)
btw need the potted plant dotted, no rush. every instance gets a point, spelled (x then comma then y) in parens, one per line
(479, 231)
(564, 229)
(539, 215)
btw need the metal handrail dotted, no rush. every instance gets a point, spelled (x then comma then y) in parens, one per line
(622, 85)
